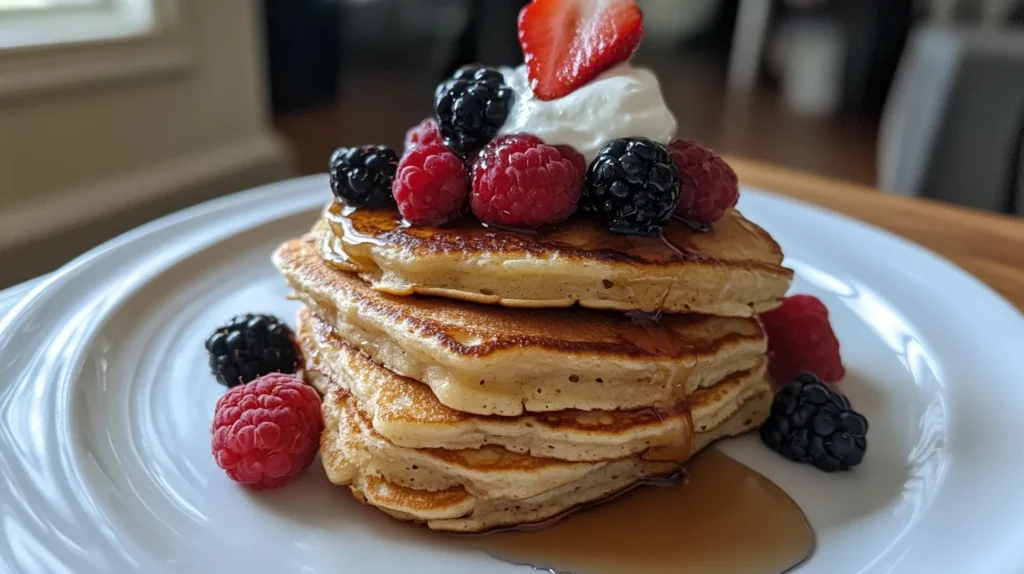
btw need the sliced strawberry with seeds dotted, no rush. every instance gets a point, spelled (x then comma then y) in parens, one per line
(567, 43)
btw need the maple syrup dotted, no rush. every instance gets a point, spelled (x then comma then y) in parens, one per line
(694, 225)
(723, 518)
(378, 226)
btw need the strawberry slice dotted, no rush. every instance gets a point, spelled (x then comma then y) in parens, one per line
(567, 43)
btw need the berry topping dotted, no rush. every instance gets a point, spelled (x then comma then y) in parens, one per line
(251, 346)
(567, 43)
(432, 185)
(632, 186)
(471, 107)
(800, 339)
(267, 432)
(575, 157)
(811, 423)
(424, 133)
(519, 181)
(361, 176)
(710, 186)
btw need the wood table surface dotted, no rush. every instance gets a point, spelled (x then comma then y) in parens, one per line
(989, 246)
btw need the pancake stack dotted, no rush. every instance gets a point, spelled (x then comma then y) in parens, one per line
(476, 378)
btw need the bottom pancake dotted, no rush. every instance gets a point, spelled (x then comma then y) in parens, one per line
(493, 471)
(488, 472)
(455, 509)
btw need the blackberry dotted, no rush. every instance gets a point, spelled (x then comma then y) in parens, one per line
(471, 107)
(811, 423)
(362, 176)
(632, 186)
(249, 347)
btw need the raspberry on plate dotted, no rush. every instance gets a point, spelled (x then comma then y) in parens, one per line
(710, 186)
(431, 185)
(519, 181)
(800, 339)
(423, 133)
(567, 43)
(266, 432)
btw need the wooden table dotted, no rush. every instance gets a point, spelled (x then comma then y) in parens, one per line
(989, 246)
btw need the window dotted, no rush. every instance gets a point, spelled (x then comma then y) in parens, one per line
(11, 5)
(48, 45)
(28, 23)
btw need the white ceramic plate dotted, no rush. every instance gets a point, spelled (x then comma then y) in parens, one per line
(105, 403)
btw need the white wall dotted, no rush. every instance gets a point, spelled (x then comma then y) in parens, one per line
(96, 139)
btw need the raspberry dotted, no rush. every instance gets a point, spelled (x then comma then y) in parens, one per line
(424, 133)
(431, 185)
(266, 432)
(520, 181)
(710, 186)
(575, 157)
(800, 339)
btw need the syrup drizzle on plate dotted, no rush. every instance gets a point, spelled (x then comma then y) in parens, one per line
(723, 517)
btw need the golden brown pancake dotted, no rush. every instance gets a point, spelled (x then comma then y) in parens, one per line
(494, 360)
(490, 471)
(456, 509)
(406, 412)
(735, 270)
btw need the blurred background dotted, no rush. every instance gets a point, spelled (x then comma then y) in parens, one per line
(114, 112)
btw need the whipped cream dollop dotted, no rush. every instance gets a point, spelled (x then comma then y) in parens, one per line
(622, 102)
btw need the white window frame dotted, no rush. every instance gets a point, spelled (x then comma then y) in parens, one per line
(51, 49)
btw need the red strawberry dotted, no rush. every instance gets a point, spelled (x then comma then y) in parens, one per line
(567, 43)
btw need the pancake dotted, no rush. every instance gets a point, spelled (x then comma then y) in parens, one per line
(407, 414)
(493, 472)
(735, 270)
(487, 472)
(458, 510)
(493, 360)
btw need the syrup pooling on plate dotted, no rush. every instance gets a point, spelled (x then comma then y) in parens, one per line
(723, 518)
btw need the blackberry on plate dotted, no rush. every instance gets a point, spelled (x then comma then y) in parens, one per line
(362, 176)
(251, 346)
(471, 107)
(809, 422)
(632, 186)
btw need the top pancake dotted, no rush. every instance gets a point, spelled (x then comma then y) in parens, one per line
(734, 270)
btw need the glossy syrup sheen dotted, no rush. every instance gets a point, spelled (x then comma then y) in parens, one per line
(724, 518)
(366, 226)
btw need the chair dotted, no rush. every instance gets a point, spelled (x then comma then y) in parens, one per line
(954, 122)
